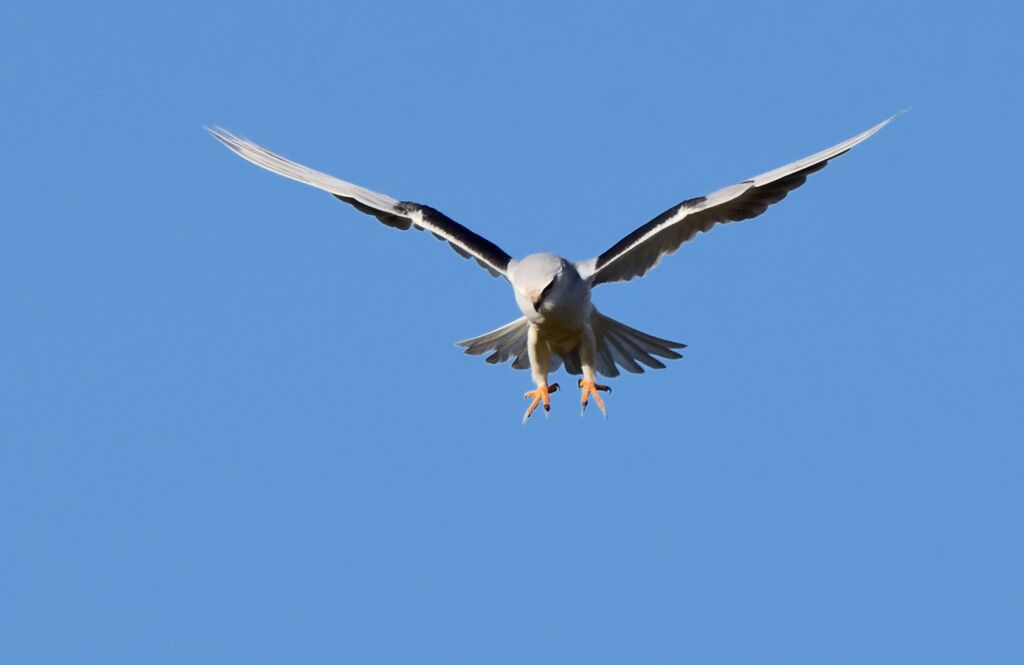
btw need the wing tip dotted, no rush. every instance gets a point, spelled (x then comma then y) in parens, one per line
(231, 141)
(885, 122)
(217, 132)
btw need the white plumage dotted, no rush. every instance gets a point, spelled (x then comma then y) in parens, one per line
(560, 325)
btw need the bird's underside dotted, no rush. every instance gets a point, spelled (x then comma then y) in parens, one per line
(559, 325)
(616, 346)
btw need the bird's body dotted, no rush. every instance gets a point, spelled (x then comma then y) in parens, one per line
(560, 325)
(555, 301)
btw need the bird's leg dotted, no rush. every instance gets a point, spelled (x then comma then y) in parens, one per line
(540, 363)
(541, 395)
(591, 388)
(588, 383)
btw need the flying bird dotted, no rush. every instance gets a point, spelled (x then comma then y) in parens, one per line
(560, 325)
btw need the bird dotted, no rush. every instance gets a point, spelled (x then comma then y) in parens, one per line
(560, 326)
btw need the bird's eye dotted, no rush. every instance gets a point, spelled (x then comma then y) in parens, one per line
(547, 290)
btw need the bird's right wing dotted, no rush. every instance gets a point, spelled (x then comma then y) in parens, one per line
(398, 214)
(641, 250)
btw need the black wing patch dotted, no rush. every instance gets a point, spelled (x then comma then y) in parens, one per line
(444, 228)
(635, 236)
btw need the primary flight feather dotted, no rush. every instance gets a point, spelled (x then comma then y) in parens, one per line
(560, 325)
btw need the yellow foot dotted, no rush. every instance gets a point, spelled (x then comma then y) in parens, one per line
(591, 388)
(541, 394)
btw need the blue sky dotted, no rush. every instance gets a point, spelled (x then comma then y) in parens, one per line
(234, 428)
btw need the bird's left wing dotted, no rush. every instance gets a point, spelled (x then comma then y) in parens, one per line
(641, 250)
(398, 214)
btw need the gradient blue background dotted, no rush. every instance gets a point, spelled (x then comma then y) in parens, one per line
(234, 427)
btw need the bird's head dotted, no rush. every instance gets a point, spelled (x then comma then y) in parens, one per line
(535, 278)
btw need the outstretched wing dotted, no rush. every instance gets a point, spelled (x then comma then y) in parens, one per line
(641, 250)
(398, 214)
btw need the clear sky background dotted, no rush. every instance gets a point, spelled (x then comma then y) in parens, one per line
(234, 427)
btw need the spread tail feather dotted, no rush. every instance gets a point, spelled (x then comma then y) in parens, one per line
(617, 344)
(620, 345)
(508, 341)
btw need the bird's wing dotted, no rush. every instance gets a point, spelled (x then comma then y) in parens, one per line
(641, 250)
(398, 214)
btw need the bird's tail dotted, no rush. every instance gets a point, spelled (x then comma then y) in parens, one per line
(508, 341)
(618, 345)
